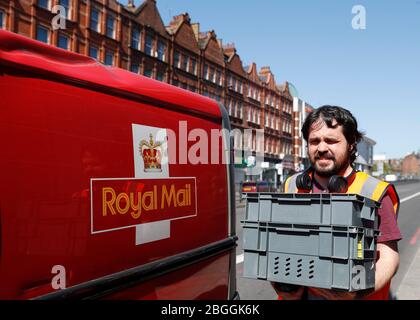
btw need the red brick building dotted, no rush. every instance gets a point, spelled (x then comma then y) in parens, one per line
(185, 54)
(410, 165)
(136, 39)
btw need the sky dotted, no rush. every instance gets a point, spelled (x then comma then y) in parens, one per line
(375, 72)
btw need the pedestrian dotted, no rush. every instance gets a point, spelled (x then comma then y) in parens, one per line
(332, 135)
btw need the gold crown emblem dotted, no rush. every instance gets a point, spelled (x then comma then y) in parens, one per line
(151, 152)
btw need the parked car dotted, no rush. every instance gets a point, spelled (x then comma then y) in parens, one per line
(257, 186)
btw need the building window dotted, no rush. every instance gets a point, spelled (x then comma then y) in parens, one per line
(194, 66)
(206, 72)
(148, 72)
(177, 59)
(2, 20)
(185, 62)
(94, 52)
(110, 27)
(149, 45)
(109, 58)
(161, 50)
(42, 34)
(134, 68)
(218, 77)
(66, 5)
(160, 76)
(211, 75)
(63, 42)
(46, 4)
(135, 39)
(95, 19)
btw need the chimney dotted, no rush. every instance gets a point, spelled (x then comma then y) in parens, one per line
(265, 70)
(130, 4)
(196, 29)
(229, 48)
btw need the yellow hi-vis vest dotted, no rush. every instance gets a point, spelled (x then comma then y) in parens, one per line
(363, 184)
(369, 187)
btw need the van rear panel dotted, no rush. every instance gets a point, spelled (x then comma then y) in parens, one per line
(83, 189)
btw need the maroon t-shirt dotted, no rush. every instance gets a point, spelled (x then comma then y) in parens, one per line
(388, 225)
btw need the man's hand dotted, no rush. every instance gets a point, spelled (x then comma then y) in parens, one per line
(386, 267)
(289, 294)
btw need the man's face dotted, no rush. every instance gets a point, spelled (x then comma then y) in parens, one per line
(328, 149)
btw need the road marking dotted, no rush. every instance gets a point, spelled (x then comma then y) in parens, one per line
(239, 258)
(413, 240)
(410, 197)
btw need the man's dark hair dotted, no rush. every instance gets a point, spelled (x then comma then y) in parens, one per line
(343, 118)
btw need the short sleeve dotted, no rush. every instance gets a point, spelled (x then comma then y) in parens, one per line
(388, 225)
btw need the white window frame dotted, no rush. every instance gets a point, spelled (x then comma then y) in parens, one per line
(68, 10)
(98, 27)
(134, 65)
(133, 29)
(114, 28)
(162, 74)
(97, 50)
(151, 53)
(64, 36)
(177, 64)
(185, 62)
(48, 33)
(151, 73)
(164, 50)
(109, 53)
(217, 77)
(3, 19)
(194, 66)
(48, 5)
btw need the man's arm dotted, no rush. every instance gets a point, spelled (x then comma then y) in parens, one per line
(387, 264)
(386, 267)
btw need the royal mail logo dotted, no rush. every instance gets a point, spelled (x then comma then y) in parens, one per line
(151, 153)
(150, 147)
(123, 203)
(150, 200)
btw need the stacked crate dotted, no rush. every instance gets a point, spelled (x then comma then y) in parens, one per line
(316, 240)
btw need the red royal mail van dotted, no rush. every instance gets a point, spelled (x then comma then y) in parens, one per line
(103, 193)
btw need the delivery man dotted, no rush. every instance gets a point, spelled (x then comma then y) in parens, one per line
(332, 135)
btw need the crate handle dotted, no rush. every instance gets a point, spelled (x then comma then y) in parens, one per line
(293, 230)
(292, 200)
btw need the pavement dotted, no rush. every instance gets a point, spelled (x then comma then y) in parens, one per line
(409, 289)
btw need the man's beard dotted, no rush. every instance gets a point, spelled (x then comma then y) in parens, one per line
(327, 171)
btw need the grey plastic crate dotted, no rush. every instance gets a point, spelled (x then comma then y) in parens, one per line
(330, 257)
(323, 209)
